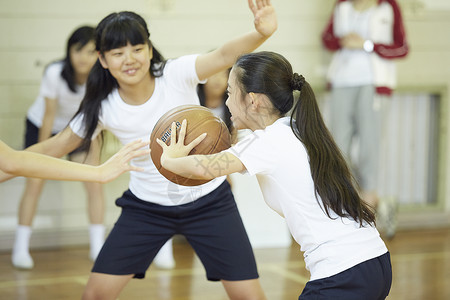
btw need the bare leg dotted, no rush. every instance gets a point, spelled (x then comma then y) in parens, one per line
(105, 286)
(244, 289)
(29, 201)
(95, 198)
(21, 257)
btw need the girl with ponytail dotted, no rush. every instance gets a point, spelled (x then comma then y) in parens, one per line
(130, 87)
(302, 175)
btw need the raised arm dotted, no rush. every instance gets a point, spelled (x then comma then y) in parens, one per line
(30, 164)
(175, 158)
(265, 22)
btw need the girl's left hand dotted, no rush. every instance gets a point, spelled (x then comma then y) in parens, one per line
(265, 17)
(119, 162)
(177, 148)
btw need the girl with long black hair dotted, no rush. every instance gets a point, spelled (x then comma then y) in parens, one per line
(302, 175)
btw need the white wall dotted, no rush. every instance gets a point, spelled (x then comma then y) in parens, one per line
(33, 33)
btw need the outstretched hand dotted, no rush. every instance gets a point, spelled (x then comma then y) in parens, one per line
(119, 162)
(265, 17)
(177, 148)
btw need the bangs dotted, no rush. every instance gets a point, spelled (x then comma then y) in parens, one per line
(119, 34)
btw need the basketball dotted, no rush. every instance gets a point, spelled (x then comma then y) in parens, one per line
(199, 120)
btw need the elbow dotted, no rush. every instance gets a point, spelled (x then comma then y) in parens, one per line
(11, 168)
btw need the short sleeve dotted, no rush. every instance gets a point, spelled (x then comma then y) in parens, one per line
(77, 126)
(255, 153)
(182, 72)
(51, 81)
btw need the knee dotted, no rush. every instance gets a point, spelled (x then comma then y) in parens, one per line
(91, 294)
(244, 290)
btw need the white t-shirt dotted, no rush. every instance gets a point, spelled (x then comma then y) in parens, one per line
(131, 122)
(281, 165)
(54, 87)
(354, 66)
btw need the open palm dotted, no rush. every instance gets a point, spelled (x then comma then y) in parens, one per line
(265, 17)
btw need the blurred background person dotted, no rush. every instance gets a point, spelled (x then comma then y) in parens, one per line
(365, 37)
(61, 91)
(213, 95)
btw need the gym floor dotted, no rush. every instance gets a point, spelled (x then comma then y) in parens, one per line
(420, 260)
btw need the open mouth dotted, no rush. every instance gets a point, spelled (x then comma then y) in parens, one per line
(130, 71)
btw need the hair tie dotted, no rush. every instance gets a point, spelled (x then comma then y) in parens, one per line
(297, 82)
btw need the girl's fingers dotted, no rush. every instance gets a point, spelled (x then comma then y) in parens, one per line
(133, 168)
(161, 143)
(252, 7)
(182, 132)
(137, 144)
(173, 134)
(197, 141)
(139, 153)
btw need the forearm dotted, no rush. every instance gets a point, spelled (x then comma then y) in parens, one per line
(226, 55)
(40, 166)
(194, 166)
(329, 40)
(246, 43)
(203, 166)
(45, 131)
(24, 163)
(58, 145)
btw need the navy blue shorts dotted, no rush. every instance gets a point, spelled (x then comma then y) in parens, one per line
(369, 280)
(212, 226)
(32, 136)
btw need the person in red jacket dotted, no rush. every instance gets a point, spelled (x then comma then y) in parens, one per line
(365, 37)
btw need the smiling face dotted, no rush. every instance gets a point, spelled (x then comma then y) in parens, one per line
(83, 58)
(129, 64)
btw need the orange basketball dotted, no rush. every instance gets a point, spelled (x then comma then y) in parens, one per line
(199, 120)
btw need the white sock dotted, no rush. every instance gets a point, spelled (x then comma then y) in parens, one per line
(21, 257)
(164, 259)
(96, 239)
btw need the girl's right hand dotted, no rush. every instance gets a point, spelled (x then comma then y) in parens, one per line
(177, 148)
(265, 17)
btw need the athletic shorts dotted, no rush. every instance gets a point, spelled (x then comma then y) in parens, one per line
(212, 226)
(370, 280)
(32, 136)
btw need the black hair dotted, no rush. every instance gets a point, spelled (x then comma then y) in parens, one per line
(271, 74)
(79, 38)
(227, 113)
(114, 31)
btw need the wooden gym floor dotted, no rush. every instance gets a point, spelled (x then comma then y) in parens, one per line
(420, 259)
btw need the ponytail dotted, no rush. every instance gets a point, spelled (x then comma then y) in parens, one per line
(271, 74)
(333, 181)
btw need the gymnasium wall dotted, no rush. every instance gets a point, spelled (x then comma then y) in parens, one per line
(34, 33)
